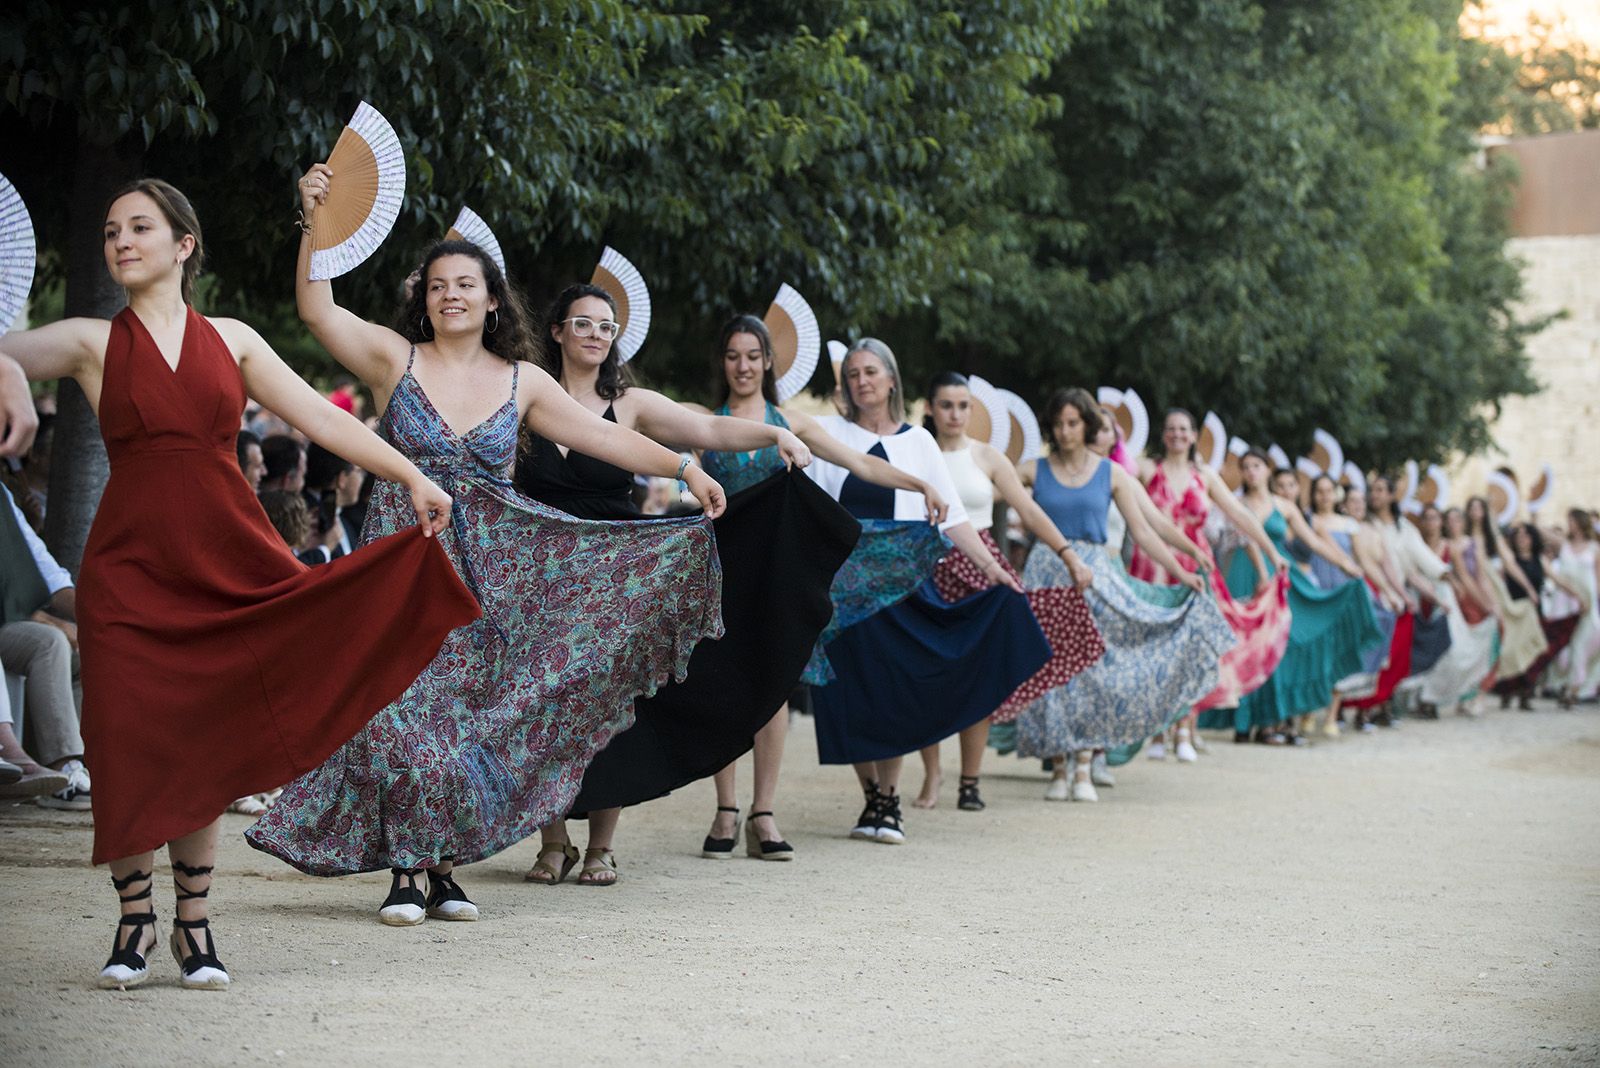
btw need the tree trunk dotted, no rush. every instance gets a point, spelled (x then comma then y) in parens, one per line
(78, 467)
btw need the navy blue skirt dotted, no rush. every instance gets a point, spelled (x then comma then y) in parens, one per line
(919, 671)
(1430, 640)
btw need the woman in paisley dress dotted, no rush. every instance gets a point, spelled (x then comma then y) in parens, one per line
(746, 387)
(980, 472)
(491, 741)
(1162, 645)
(1185, 491)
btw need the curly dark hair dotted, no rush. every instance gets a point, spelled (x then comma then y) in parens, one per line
(512, 338)
(1079, 399)
(614, 379)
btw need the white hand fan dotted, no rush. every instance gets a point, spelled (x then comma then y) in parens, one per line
(1026, 442)
(1408, 489)
(18, 254)
(1539, 492)
(1326, 452)
(1504, 498)
(1355, 478)
(1212, 447)
(1308, 467)
(989, 420)
(369, 183)
(837, 351)
(1435, 488)
(626, 285)
(1279, 458)
(1109, 396)
(1139, 432)
(470, 227)
(796, 341)
(1232, 474)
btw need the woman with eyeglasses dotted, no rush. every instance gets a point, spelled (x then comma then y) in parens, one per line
(579, 352)
(746, 388)
(490, 742)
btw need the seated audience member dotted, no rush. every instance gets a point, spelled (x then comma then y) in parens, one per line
(251, 462)
(333, 487)
(285, 459)
(289, 516)
(39, 641)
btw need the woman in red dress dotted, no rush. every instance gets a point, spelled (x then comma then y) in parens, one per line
(194, 618)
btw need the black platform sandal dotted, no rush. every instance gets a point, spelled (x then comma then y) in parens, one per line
(201, 968)
(722, 848)
(967, 797)
(405, 906)
(447, 901)
(127, 966)
(755, 847)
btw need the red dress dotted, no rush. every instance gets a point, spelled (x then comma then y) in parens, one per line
(1260, 624)
(215, 664)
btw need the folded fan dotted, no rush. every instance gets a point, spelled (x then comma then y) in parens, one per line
(18, 254)
(622, 280)
(369, 183)
(470, 227)
(796, 341)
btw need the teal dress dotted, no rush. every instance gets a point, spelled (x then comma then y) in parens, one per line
(1330, 632)
(737, 471)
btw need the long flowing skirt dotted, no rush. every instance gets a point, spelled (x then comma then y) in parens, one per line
(781, 542)
(1163, 646)
(491, 742)
(1522, 640)
(1329, 636)
(1063, 614)
(1395, 668)
(1456, 675)
(1362, 683)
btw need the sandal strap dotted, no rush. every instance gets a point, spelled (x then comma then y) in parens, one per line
(197, 957)
(734, 809)
(122, 884)
(758, 815)
(191, 872)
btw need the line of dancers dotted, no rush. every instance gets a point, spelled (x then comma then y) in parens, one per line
(518, 648)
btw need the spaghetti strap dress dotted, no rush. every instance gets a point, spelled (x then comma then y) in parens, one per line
(1062, 612)
(208, 669)
(781, 539)
(1259, 620)
(492, 740)
(1163, 643)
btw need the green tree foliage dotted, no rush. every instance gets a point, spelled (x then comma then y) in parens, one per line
(1268, 210)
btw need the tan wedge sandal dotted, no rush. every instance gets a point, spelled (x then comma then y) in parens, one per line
(544, 873)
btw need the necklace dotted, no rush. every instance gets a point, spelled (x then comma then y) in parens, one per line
(1073, 474)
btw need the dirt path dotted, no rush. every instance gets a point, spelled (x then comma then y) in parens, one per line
(1423, 896)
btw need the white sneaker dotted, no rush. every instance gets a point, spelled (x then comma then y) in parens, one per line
(1083, 790)
(1100, 772)
(74, 797)
(1058, 790)
(1156, 750)
(1199, 743)
(1186, 753)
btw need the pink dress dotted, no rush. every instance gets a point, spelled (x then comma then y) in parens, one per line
(1260, 625)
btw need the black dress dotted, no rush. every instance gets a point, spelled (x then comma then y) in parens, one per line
(781, 541)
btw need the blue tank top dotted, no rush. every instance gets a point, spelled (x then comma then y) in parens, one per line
(1079, 512)
(741, 470)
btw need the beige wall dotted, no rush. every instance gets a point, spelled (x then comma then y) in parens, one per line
(1561, 424)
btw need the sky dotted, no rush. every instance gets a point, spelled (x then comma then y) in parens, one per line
(1507, 18)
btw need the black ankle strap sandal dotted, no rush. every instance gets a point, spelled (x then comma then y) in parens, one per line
(761, 850)
(967, 797)
(202, 970)
(127, 966)
(722, 848)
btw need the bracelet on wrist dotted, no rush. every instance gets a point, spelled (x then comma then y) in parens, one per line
(682, 467)
(302, 222)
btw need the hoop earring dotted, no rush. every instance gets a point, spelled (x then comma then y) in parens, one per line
(425, 326)
(496, 313)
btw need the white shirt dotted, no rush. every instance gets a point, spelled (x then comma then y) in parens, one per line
(55, 576)
(913, 451)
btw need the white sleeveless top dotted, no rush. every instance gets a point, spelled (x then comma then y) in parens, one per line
(972, 486)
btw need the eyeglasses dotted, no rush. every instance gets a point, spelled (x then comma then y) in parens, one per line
(583, 326)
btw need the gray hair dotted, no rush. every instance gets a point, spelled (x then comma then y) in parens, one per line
(897, 393)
